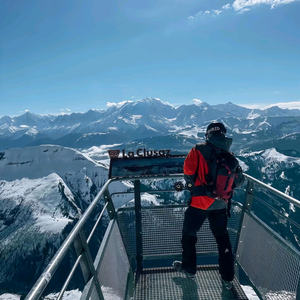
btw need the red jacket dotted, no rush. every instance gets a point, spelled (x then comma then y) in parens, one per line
(195, 167)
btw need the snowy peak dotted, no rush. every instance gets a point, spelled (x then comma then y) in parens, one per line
(190, 115)
(78, 118)
(40, 161)
(31, 119)
(147, 106)
(5, 120)
(47, 201)
(273, 166)
(276, 111)
(233, 109)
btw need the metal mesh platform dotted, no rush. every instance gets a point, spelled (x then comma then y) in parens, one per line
(167, 284)
(162, 227)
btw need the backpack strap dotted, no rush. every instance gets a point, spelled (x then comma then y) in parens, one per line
(210, 154)
(207, 153)
(216, 152)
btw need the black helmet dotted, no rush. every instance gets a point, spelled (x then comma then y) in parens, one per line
(215, 128)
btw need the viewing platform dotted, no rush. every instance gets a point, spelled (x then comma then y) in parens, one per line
(134, 260)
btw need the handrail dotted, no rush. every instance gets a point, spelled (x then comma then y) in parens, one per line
(44, 279)
(278, 212)
(80, 256)
(273, 190)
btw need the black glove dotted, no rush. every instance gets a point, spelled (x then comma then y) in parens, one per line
(190, 185)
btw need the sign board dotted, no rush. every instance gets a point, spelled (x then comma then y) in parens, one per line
(144, 165)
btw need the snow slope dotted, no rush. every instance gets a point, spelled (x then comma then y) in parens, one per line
(43, 190)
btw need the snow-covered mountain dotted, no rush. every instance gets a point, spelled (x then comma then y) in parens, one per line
(133, 120)
(43, 192)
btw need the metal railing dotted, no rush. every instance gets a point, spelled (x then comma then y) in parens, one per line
(247, 224)
(266, 251)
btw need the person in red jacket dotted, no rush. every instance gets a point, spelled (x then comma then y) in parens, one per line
(203, 205)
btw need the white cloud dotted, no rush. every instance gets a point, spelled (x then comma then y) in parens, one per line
(243, 10)
(24, 111)
(199, 14)
(227, 6)
(288, 105)
(197, 101)
(207, 12)
(64, 111)
(239, 5)
(216, 11)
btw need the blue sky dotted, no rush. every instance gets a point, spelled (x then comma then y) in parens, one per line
(74, 55)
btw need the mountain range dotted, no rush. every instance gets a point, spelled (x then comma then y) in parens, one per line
(150, 118)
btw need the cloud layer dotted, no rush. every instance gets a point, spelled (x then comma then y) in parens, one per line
(239, 5)
(288, 105)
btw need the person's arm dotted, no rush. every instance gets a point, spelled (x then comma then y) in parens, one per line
(240, 179)
(190, 168)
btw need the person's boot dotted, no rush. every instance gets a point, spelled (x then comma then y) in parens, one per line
(227, 284)
(177, 265)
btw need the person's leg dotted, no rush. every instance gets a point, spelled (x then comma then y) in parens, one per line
(218, 225)
(193, 220)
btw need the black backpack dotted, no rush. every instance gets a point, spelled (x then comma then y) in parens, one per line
(223, 170)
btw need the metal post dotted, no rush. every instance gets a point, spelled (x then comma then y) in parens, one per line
(138, 226)
(110, 205)
(249, 195)
(86, 263)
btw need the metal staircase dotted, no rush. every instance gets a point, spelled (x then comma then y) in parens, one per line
(140, 243)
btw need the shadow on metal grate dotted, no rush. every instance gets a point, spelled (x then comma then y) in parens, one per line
(167, 284)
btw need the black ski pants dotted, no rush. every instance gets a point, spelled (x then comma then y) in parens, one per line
(193, 220)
